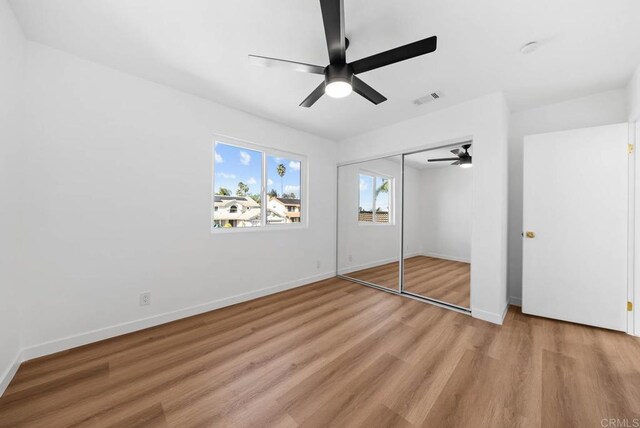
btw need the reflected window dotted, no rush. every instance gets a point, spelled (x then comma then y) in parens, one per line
(375, 199)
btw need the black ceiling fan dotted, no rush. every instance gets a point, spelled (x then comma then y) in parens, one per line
(339, 76)
(463, 157)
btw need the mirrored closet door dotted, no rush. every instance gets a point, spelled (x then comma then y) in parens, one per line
(368, 222)
(404, 224)
(437, 224)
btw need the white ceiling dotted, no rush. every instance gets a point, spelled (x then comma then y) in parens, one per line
(201, 47)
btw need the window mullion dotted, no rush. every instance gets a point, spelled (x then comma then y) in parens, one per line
(263, 196)
(373, 204)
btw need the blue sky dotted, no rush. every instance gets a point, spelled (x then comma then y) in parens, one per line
(236, 164)
(290, 183)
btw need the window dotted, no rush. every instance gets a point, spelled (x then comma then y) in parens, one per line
(255, 188)
(283, 181)
(376, 193)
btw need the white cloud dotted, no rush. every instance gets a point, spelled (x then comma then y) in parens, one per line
(363, 185)
(251, 181)
(245, 158)
(289, 188)
(225, 175)
(218, 158)
(269, 182)
(294, 165)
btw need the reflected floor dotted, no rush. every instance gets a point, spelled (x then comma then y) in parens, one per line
(440, 279)
(386, 275)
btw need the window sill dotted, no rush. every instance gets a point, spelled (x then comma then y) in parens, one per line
(371, 224)
(271, 228)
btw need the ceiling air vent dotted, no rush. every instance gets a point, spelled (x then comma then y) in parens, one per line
(433, 96)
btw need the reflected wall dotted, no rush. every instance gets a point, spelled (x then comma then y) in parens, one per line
(369, 212)
(437, 223)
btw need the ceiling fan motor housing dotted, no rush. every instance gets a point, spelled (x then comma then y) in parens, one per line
(338, 73)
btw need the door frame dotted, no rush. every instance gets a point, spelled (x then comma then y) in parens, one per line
(633, 292)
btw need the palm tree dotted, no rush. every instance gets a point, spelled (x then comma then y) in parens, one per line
(242, 189)
(384, 188)
(281, 172)
(224, 191)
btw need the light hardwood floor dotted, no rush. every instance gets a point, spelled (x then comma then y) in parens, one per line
(440, 279)
(336, 353)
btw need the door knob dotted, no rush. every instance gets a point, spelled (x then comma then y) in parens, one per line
(530, 234)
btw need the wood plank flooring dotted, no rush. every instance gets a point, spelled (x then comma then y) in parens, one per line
(335, 353)
(440, 279)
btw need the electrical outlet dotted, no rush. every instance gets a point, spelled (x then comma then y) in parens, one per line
(145, 299)
(318, 264)
(350, 258)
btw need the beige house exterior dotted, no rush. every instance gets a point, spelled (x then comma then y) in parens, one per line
(287, 209)
(243, 211)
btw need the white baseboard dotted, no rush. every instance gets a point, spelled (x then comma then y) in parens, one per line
(349, 269)
(491, 317)
(446, 257)
(7, 376)
(515, 301)
(74, 341)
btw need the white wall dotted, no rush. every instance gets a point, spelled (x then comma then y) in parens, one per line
(485, 120)
(117, 201)
(12, 46)
(444, 226)
(599, 109)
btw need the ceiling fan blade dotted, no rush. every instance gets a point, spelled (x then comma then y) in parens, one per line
(442, 159)
(265, 61)
(392, 56)
(456, 152)
(313, 96)
(366, 91)
(333, 19)
(456, 163)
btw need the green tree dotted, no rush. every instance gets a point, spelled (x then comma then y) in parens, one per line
(255, 197)
(224, 191)
(273, 193)
(243, 189)
(383, 188)
(282, 170)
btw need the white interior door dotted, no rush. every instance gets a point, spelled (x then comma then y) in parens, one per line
(576, 203)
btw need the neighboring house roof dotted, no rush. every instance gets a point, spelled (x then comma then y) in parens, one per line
(249, 214)
(245, 201)
(286, 201)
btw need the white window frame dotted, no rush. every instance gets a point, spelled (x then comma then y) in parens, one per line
(264, 152)
(392, 204)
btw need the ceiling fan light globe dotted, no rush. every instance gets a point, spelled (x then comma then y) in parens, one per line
(338, 89)
(465, 162)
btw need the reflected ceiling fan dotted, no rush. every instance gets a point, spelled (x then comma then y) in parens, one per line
(463, 157)
(339, 77)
